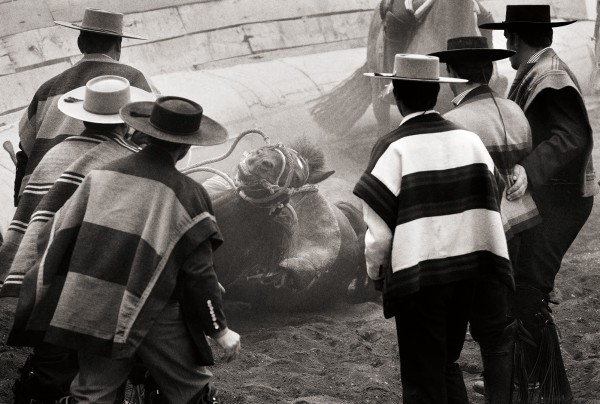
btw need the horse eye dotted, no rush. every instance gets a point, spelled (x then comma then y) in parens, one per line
(267, 164)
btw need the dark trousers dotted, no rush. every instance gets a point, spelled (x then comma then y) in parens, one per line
(47, 374)
(431, 326)
(543, 247)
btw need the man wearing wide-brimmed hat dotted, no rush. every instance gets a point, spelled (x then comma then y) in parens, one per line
(560, 174)
(431, 200)
(503, 128)
(50, 370)
(43, 125)
(128, 268)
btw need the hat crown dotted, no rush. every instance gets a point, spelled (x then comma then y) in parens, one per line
(411, 66)
(102, 20)
(528, 13)
(176, 115)
(105, 95)
(468, 42)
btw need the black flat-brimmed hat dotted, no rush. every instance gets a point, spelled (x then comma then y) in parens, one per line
(526, 17)
(174, 119)
(101, 22)
(470, 49)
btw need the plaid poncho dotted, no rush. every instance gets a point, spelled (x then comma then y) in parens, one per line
(478, 113)
(434, 186)
(43, 125)
(117, 250)
(59, 174)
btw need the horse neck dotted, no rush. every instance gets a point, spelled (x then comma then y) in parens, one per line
(243, 223)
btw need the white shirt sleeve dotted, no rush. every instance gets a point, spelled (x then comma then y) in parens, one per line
(378, 242)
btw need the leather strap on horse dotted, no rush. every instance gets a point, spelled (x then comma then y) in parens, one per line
(279, 195)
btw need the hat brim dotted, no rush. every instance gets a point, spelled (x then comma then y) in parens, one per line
(472, 55)
(524, 24)
(98, 31)
(391, 76)
(75, 109)
(137, 115)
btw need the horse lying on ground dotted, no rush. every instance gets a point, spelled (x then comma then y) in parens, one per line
(286, 247)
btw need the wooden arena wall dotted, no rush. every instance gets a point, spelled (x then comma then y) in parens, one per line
(182, 35)
(188, 35)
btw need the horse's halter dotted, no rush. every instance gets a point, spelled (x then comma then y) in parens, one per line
(278, 195)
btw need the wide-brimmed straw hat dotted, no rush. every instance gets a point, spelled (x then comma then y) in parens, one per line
(470, 49)
(101, 22)
(100, 100)
(174, 119)
(526, 17)
(411, 67)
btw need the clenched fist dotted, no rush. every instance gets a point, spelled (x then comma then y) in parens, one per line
(230, 342)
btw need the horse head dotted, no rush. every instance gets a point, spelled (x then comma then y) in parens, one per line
(272, 174)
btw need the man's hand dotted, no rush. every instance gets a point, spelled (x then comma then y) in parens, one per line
(519, 179)
(230, 342)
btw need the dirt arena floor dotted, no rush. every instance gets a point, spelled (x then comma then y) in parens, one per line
(348, 353)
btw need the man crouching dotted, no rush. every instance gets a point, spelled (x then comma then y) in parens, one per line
(128, 270)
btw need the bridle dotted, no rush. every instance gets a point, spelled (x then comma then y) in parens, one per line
(253, 191)
(279, 191)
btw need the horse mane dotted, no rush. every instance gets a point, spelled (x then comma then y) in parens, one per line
(313, 155)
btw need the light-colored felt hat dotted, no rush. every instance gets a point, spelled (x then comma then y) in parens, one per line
(100, 100)
(101, 22)
(412, 67)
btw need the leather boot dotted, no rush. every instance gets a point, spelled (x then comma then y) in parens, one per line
(498, 373)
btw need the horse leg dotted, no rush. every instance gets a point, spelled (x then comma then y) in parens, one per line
(360, 288)
(381, 110)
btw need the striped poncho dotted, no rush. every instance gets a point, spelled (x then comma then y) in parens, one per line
(43, 125)
(117, 250)
(478, 113)
(548, 71)
(432, 202)
(59, 174)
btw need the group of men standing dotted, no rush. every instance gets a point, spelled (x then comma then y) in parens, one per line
(110, 249)
(469, 215)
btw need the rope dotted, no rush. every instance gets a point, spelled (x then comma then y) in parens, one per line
(272, 201)
(189, 169)
(214, 171)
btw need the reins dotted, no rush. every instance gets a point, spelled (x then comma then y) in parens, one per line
(199, 166)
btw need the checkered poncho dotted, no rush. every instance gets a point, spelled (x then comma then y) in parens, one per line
(115, 256)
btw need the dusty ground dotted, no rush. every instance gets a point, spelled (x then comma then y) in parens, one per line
(348, 353)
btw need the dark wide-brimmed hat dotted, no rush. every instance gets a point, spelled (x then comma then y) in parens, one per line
(413, 67)
(101, 22)
(470, 49)
(174, 119)
(100, 100)
(520, 17)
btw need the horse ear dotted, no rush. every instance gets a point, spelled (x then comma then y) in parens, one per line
(319, 175)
